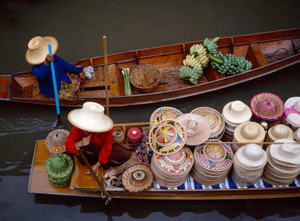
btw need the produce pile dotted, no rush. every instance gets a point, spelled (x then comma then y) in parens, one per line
(200, 56)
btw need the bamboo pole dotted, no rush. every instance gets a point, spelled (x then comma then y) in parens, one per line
(106, 75)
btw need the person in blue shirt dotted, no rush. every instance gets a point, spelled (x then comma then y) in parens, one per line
(37, 55)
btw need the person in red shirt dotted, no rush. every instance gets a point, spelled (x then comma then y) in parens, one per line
(92, 131)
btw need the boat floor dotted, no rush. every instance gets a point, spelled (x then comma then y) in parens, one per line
(39, 184)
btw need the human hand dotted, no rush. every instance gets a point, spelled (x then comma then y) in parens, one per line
(95, 168)
(84, 142)
(49, 58)
(82, 77)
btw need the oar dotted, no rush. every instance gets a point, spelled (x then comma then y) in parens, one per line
(106, 75)
(104, 193)
(58, 123)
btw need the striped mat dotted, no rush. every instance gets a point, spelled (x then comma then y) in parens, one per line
(228, 183)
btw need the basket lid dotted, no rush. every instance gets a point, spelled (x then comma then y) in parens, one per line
(137, 178)
(167, 137)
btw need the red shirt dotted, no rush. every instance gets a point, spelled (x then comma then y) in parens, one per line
(102, 140)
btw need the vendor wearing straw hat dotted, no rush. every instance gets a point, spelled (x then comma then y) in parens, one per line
(92, 132)
(37, 55)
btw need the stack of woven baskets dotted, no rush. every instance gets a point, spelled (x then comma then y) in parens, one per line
(171, 162)
(212, 162)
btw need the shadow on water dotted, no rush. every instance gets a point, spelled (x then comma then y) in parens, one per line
(257, 209)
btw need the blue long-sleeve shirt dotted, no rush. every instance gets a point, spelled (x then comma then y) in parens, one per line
(43, 75)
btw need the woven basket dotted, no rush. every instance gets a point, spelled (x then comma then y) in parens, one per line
(55, 141)
(145, 77)
(267, 106)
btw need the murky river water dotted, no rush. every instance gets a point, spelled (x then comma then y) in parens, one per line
(79, 26)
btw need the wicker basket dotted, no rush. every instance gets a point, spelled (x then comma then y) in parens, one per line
(55, 141)
(145, 77)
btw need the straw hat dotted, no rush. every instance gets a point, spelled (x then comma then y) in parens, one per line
(236, 112)
(91, 118)
(267, 106)
(215, 120)
(288, 152)
(280, 131)
(292, 111)
(38, 49)
(197, 128)
(252, 155)
(249, 131)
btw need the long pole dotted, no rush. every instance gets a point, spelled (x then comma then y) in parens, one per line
(59, 123)
(106, 75)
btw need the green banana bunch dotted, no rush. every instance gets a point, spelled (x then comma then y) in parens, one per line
(230, 64)
(211, 45)
(191, 74)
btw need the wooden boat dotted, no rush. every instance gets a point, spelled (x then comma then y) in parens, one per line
(268, 52)
(87, 187)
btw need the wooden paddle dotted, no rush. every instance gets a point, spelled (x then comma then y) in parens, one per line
(104, 193)
(58, 123)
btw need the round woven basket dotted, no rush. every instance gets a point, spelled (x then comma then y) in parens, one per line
(55, 141)
(145, 77)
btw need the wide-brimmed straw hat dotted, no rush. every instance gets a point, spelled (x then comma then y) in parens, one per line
(280, 131)
(91, 118)
(292, 111)
(197, 128)
(249, 131)
(288, 151)
(252, 155)
(38, 49)
(236, 112)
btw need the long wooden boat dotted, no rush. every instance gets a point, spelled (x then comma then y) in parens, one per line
(268, 53)
(87, 187)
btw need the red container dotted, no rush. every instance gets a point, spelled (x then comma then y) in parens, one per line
(134, 136)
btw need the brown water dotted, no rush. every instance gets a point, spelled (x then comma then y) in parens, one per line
(128, 25)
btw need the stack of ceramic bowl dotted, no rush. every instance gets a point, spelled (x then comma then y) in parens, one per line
(164, 113)
(212, 162)
(279, 131)
(234, 113)
(215, 120)
(267, 107)
(292, 113)
(248, 132)
(248, 164)
(197, 128)
(172, 170)
(283, 164)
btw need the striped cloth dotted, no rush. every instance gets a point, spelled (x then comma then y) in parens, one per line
(228, 183)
